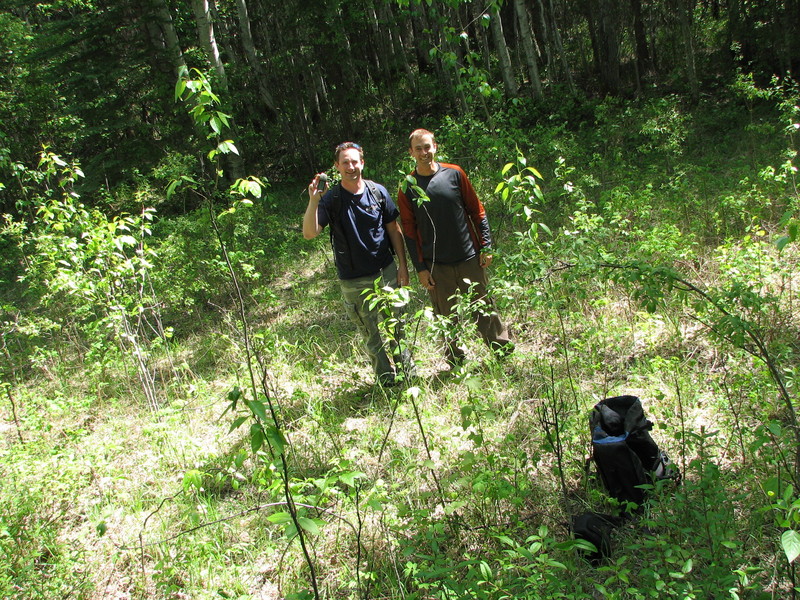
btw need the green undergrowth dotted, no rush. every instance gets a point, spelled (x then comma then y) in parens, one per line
(265, 464)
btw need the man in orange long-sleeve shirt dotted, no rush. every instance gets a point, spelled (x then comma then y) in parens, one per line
(449, 240)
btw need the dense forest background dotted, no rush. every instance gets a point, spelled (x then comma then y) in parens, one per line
(186, 411)
(95, 80)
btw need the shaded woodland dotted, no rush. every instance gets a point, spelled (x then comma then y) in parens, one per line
(95, 80)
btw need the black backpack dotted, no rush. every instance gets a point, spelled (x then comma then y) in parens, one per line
(596, 528)
(339, 242)
(623, 451)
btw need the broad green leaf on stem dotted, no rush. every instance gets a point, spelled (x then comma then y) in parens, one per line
(790, 540)
(256, 437)
(279, 518)
(172, 186)
(308, 525)
(276, 439)
(193, 479)
(125, 240)
(237, 423)
(227, 147)
(350, 477)
(215, 124)
(234, 394)
(254, 188)
(506, 540)
(180, 87)
(258, 409)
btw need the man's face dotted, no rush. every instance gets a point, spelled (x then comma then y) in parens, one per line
(423, 150)
(350, 164)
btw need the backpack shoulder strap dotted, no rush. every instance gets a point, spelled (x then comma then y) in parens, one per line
(378, 194)
(336, 199)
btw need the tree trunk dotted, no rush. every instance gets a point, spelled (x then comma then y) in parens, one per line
(560, 47)
(421, 42)
(386, 15)
(527, 36)
(253, 60)
(379, 48)
(447, 71)
(224, 36)
(640, 39)
(172, 45)
(506, 69)
(546, 45)
(604, 24)
(686, 10)
(205, 33)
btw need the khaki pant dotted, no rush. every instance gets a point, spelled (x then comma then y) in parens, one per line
(367, 320)
(451, 278)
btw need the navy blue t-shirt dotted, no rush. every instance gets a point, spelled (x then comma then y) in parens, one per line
(364, 225)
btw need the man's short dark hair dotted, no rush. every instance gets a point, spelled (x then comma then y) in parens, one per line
(347, 146)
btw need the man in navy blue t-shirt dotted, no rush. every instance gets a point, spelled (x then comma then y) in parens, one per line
(366, 238)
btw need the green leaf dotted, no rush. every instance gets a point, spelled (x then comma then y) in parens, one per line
(350, 477)
(254, 188)
(256, 437)
(279, 518)
(180, 87)
(193, 479)
(506, 540)
(126, 240)
(790, 541)
(258, 409)
(215, 124)
(173, 185)
(486, 570)
(453, 507)
(276, 439)
(308, 525)
(237, 423)
(226, 147)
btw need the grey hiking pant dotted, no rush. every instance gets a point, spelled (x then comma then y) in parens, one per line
(379, 349)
